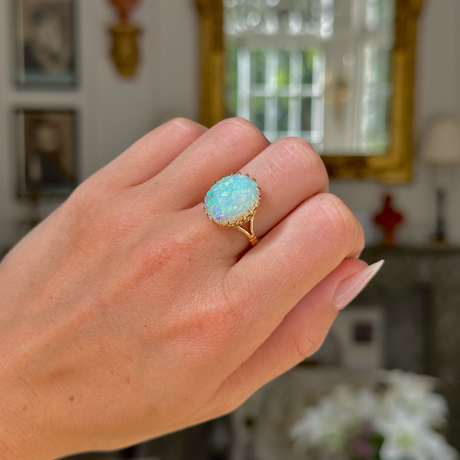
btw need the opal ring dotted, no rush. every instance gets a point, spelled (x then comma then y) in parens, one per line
(233, 202)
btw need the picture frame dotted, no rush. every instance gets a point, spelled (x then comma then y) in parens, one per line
(46, 152)
(45, 40)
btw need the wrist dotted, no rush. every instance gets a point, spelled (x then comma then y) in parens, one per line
(11, 447)
(6, 452)
(24, 433)
(23, 439)
(14, 445)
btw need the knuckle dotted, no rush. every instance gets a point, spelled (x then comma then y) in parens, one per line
(230, 403)
(189, 126)
(224, 402)
(83, 200)
(338, 222)
(305, 345)
(310, 163)
(296, 145)
(87, 205)
(244, 128)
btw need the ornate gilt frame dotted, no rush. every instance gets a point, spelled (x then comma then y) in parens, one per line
(395, 166)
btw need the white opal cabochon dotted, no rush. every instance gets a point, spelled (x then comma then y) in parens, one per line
(232, 200)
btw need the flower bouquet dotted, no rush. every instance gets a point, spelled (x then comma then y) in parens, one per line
(400, 420)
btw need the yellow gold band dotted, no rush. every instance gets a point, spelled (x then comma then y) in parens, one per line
(251, 235)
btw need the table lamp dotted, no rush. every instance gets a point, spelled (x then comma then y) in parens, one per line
(441, 149)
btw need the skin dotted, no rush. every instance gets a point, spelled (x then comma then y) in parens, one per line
(128, 314)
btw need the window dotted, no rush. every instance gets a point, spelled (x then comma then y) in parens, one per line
(317, 69)
(275, 73)
(376, 99)
(377, 76)
(281, 92)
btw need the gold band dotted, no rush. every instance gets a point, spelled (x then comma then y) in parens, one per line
(251, 235)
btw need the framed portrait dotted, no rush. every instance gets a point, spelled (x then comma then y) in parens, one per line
(45, 43)
(46, 152)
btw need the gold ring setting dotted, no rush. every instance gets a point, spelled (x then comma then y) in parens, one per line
(233, 202)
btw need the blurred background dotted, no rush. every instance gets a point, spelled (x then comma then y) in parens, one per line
(373, 85)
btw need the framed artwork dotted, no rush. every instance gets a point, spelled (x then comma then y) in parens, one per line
(46, 152)
(45, 43)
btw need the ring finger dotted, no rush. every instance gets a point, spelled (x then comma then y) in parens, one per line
(288, 172)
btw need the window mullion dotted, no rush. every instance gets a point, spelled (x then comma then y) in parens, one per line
(244, 83)
(317, 116)
(295, 86)
(271, 106)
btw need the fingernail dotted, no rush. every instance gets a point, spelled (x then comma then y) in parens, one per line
(351, 287)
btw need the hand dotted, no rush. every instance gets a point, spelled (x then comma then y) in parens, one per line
(128, 314)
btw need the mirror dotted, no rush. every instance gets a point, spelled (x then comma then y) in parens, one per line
(314, 69)
(338, 73)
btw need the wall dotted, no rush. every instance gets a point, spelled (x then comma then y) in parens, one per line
(114, 112)
(437, 93)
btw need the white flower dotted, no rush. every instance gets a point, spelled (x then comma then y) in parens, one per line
(438, 448)
(415, 393)
(329, 423)
(320, 426)
(403, 434)
(408, 436)
(402, 381)
(367, 405)
(406, 416)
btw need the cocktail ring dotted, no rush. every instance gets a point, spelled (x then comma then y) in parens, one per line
(233, 202)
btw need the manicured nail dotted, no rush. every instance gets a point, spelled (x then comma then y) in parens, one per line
(351, 287)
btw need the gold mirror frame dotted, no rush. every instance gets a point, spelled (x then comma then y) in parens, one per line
(395, 166)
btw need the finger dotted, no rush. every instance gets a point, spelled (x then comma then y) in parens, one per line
(270, 279)
(300, 251)
(287, 172)
(153, 153)
(223, 150)
(300, 334)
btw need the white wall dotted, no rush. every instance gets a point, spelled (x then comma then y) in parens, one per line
(115, 112)
(437, 93)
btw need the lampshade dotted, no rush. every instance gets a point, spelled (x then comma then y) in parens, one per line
(442, 143)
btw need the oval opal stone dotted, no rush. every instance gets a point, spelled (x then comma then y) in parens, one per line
(231, 199)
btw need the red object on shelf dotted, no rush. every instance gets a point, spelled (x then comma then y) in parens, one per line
(124, 7)
(388, 219)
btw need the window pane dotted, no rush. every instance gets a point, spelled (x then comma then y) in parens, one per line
(267, 17)
(283, 114)
(283, 68)
(308, 63)
(378, 66)
(380, 14)
(258, 65)
(384, 66)
(306, 109)
(378, 124)
(257, 112)
(231, 77)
